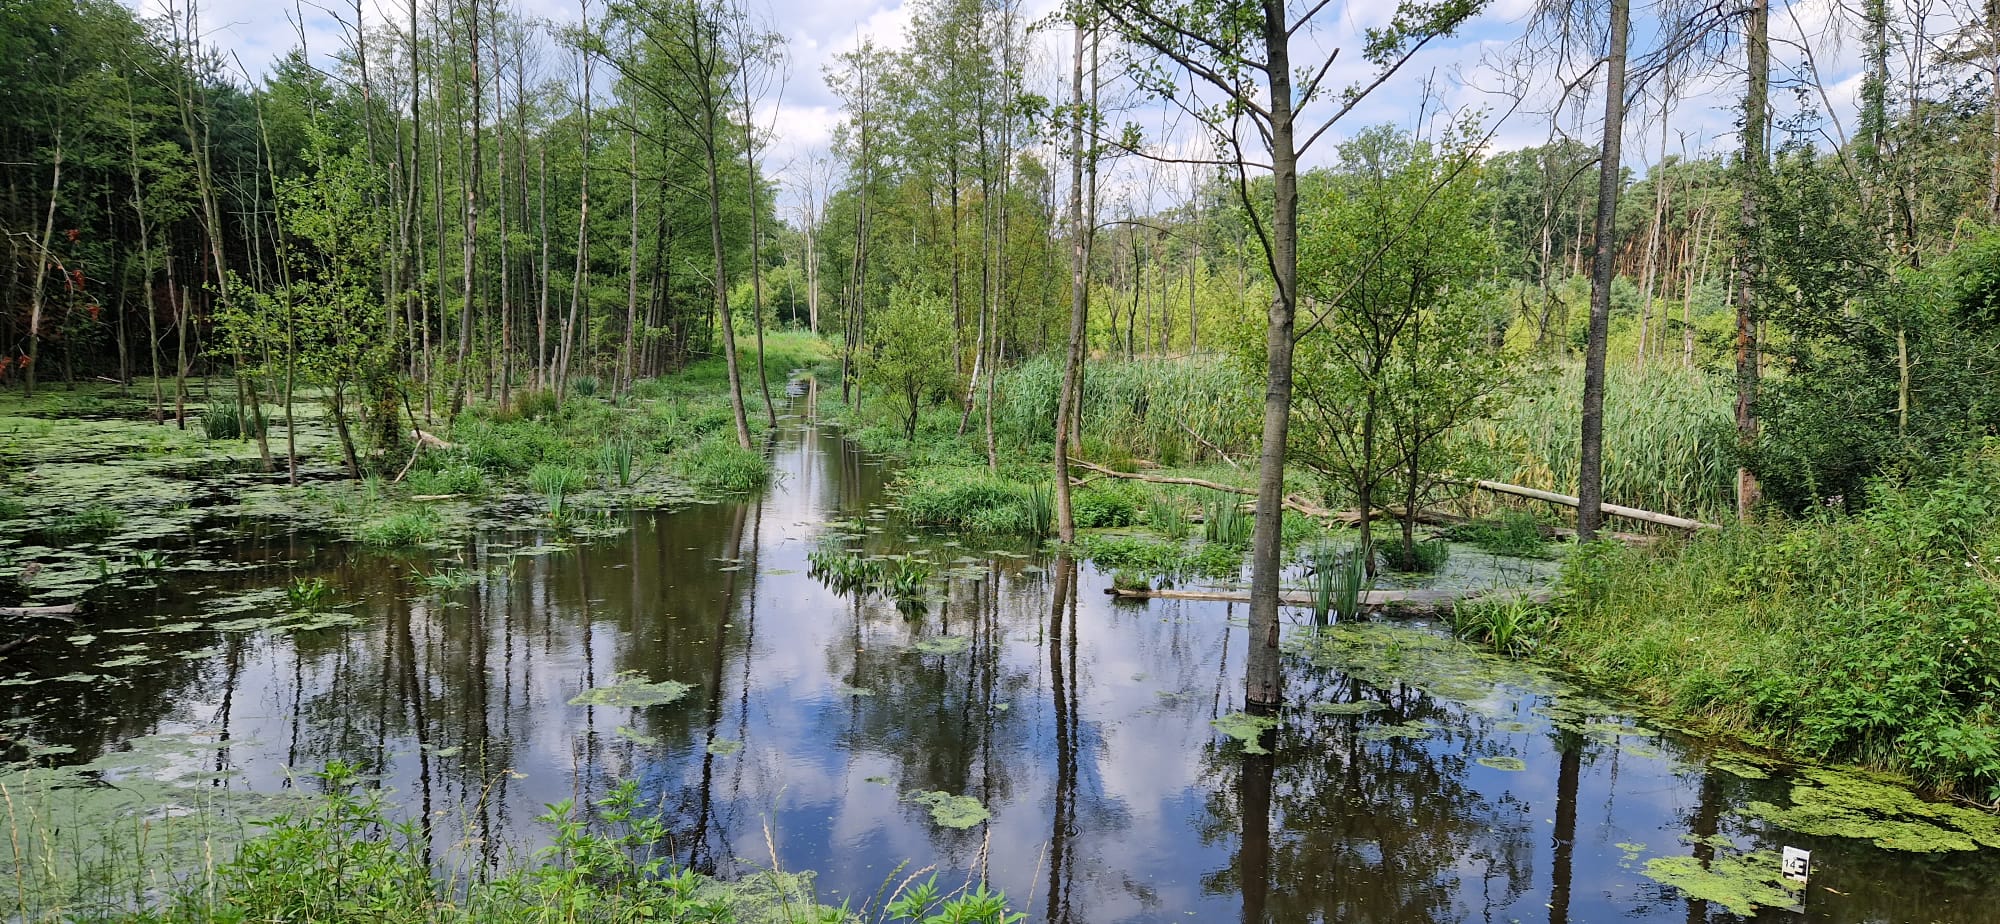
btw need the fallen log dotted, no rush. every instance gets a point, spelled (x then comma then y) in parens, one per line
(426, 498)
(7, 647)
(65, 609)
(1616, 510)
(1402, 600)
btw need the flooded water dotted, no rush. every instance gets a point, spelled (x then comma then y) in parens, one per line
(1469, 790)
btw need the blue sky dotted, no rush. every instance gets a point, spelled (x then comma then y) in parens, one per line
(1461, 71)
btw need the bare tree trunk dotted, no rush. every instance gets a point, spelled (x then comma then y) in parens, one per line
(632, 270)
(467, 315)
(1590, 465)
(1757, 41)
(42, 260)
(1079, 296)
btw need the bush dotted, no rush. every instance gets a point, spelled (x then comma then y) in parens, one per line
(1511, 532)
(719, 466)
(447, 478)
(1107, 506)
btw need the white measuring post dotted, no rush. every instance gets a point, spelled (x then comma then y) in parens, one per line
(1796, 864)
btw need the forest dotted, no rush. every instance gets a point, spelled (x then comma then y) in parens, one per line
(1652, 344)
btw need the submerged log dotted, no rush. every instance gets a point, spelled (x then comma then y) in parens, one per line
(66, 609)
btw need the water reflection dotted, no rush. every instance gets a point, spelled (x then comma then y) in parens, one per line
(1081, 723)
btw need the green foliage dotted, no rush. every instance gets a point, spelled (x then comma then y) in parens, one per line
(1168, 516)
(308, 595)
(1113, 505)
(1170, 411)
(1670, 448)
(1338, 576)
(1168, 562)
(1511, 624)
(403, 528)
(95, 519)
(1865, 637)
(971, 498)
(1226, 523)
(451, 477)
(908, 361)
(1508, 532)
(555, 483)
(1420, 556)
(231, 421)
(718, 465)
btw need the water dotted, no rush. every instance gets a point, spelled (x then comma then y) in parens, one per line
(1081, 723)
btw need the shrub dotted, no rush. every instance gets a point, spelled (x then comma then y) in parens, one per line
(534, 403)
(1107, 506)
(720, 466)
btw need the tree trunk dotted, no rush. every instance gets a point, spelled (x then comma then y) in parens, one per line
(1079, 298)
(1757, 41)
(1590, 464)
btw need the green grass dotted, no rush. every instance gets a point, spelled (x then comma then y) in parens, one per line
(1872, 638)
(717, 465)
(1668, 440)
(403, 528)
(971, 498)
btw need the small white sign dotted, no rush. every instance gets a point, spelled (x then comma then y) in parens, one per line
(1796, 864)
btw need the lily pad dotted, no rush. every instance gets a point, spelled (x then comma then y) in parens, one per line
(630, 690)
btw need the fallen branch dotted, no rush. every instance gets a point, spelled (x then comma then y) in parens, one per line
(1211, 446)
(425, 498)
(6, 647)
(428, 440)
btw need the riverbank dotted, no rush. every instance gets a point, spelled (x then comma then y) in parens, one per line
(1870, 638)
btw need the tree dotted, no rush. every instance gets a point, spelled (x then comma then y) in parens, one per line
(906, 358)
(1243, 51)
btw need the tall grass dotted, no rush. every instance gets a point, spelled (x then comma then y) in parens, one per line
(1225, 523)
(1165, 410)
(1668, 439)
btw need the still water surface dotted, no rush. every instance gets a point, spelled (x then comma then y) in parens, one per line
(1081, 723)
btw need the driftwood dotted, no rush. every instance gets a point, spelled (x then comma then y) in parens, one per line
(1407, 601)
(425, 498)
(66, 609)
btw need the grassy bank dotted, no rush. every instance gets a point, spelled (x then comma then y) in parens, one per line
(1871, 638)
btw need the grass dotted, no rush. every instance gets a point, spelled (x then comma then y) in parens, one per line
(1668, 440)
(1872, 637)
(1506, 532)
(1338, 576)
(1226, 523)
(973, 499)
(1167, 562)
(403, 528)
(718, 466)
(232, 421)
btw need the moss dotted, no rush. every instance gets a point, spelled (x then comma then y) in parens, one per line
(1246, 728)
(631, 690)
(1739, 883)
(1835, 803)
(949, 811)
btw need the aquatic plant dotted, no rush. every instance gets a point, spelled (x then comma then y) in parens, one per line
(843, 570)
(1225, 523)
(1338, 576)
(1508, 532)
(971, 498)
(1419, 557)
(1511, 623)
(555, 483)
(91, 520)
(908, 577)
(949, 811)
(1246, 728)
(414, 526)
(308, 595)
(231, 421)
(1106, 506)
(616, 461)
(924, 904)
(719, 465)
(1740, 883)
(1166, 515)
(445, 579)
(631, 690)
(1038, 506)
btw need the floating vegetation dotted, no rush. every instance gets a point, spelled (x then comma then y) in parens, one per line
(845, 690)
(944, 645)
(1738, 767)
(723, 747)
(1739, 882)
(1361, 707)
(1511, 764)
(1246, 728)
(1411, 730)
(1840, 803)
(633, 735)
(949, 811)
(630, 690)
(306, 595)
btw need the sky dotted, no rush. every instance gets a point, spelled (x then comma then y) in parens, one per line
(1467, 71)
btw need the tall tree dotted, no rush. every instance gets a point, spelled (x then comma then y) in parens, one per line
(1610, 180)
(1244, 51)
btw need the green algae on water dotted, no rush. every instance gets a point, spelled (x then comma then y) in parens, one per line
(633, 735)
(629, 689)
(1412, 730)
(955, 812)
(1355, 708)
(1246, 728)
(1512, 764)
(944, 645)
(1841, 803)
(1739, 883)
(723, 747)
